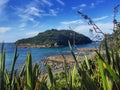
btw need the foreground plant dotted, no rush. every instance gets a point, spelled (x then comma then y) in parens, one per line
(109, 64)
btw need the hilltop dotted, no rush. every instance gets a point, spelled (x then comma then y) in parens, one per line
(54, 38)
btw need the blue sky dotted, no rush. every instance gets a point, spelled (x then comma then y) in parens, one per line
(26, 18)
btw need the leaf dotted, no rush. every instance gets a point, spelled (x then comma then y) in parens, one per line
(36, 73)
(70, 82)
(107, 51)
(13, 65)
(29, 72)
(17, 86)
(104, 80)
(65, 67)
(2, 67)
(7, 80)
(87, 63)
(50, 74)
(73, 75)
(113, 73)
(22, 71)
(74, 57)
(86, 80)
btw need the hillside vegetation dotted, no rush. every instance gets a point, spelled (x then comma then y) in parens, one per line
(55, 38)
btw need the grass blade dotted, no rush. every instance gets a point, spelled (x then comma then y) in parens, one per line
(2, 67)
(17, 86)
(118, 62)
(7, 80)
(70, 82)
(22, 71)
(113, 74)
(87, 63)
(65, 67)
(13, 65)
(29, 72)
(104, 80)
(107, 51)
(74, 57)
(86, 80)
(36, 73)
(50, 75)
(73, 76)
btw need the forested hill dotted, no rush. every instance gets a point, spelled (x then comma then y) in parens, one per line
(54, 38)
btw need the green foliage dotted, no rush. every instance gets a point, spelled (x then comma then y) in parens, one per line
(29, 72)
(13, 64)
(52, 37)
(90, 74)
(104, 80)
(2, 67)
(50, 74)
(28, 76)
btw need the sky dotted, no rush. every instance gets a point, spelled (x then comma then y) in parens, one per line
(26, 18)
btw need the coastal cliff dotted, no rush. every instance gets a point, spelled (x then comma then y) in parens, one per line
(53, 38)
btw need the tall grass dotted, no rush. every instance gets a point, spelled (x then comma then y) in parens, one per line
(83, 76)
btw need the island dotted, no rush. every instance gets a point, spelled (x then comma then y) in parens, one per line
(53, 38)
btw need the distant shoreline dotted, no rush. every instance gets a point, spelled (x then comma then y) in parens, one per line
(41, 46)
(37, 46)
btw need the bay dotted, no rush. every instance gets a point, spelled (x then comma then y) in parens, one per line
(38, 54)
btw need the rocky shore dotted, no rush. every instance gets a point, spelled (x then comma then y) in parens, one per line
(56, 62)
(36, 46)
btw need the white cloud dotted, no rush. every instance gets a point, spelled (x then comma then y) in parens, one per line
(84, 29)
(47, 2)
(22, 25)
(3, 4)
(4, 38)
(36, 24)
(79, 7)
(29, 13)
(83, 5)
(74, 8)
(32, 33)
(72, 22)
(106, 27)
(92, 5)
(26, 18)
(101, 18)
(4, 29)
(53, 12)
(80, 27)
(99, 1)
(32, 11)
(61, 2)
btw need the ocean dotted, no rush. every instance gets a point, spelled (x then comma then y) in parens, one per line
(38, 54)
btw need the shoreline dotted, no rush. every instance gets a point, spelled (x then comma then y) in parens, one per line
(38, 46)
(56, 61)
(44, 46)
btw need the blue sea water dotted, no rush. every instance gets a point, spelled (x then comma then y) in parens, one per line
(38, 54)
